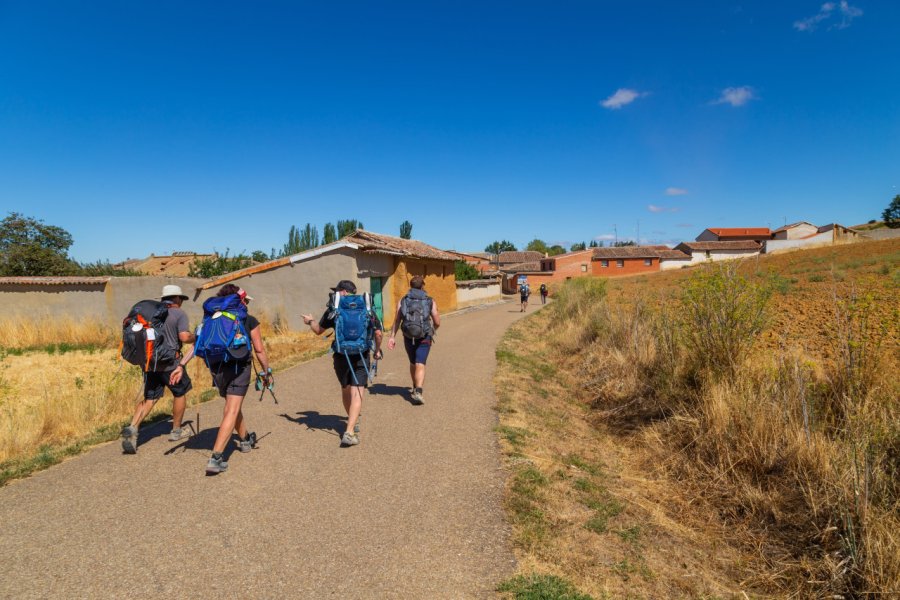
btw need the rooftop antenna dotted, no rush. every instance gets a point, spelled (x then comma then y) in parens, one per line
(638, 232)
(616, 234)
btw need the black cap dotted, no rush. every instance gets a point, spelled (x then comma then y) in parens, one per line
(345, 286)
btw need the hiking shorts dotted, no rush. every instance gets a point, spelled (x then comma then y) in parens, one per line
(417, 350)
(232, 379)
(523, 298)
(157, 381)
(357, 366)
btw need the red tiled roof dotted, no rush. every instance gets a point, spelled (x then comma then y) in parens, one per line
(721, 245)
(74, 280)
(388, 244)
(727, 231)
(525, 267)
(635, 252)
(520, 256)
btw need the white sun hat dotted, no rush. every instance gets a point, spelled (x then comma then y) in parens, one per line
(172, 290)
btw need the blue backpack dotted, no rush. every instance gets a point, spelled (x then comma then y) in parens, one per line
(222, 336)
(353, 330)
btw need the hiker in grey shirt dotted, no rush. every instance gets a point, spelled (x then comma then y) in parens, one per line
(176, 332)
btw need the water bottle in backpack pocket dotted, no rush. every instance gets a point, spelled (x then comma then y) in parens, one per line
(223, 336)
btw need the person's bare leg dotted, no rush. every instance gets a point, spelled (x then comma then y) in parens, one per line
(229, 419)
(240, 426)
(412, 374)
(140, 413)
(418, 374)
(178, 406)
(353, 404)
(345, 398)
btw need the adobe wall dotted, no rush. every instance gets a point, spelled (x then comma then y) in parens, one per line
(698, 257)
(440, 283)
(473, 293)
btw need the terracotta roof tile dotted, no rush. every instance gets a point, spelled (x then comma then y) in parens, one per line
(520, 256)
(378, 242)
(524, 267)
(722, 245)
(74, 280)
(631, 252)
(726, 231)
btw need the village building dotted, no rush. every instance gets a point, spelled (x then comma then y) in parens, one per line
(701, 252)
(805, 235)
(378, 264)
(631, 260)
(734, 234)
(481, 262)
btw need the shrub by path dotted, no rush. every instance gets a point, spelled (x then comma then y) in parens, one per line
(414, 511)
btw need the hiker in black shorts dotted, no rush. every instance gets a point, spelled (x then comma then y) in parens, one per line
(176, 332)
(544, 292)
(418, 318)
(524, 293)
(232, 379)
(352, 369)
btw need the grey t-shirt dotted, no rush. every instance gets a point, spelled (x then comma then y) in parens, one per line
(176, 322)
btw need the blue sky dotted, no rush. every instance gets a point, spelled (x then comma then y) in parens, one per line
(152, 127)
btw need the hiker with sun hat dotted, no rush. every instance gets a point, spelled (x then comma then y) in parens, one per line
(170, 374)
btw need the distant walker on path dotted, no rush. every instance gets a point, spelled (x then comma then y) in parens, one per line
(524, 293)
(418, 318)
(544, 293)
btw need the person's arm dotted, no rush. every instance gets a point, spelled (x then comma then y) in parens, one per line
(261, 356)
(314, 326)
(435, 316)
(185, 336)
(397, 317)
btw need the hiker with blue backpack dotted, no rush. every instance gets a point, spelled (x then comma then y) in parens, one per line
(357, 335)
(153, 334)
(417, 318)
(226, 340)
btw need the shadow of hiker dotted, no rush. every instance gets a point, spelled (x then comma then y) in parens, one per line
(382, 389)
(203, 441)
(334, 424)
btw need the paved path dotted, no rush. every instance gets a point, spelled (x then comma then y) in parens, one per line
(412, 512)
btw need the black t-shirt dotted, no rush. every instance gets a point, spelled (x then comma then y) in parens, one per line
(251, 323)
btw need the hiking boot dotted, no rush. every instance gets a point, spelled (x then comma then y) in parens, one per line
(417, 398)
(249, 443)
(177, 434)
(216, 465)
(349, 439)
(129, 440)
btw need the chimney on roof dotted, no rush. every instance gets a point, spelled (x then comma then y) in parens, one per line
(546, 255)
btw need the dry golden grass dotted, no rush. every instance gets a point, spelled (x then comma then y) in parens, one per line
(28, 333)
(777, 469)
(51, 399)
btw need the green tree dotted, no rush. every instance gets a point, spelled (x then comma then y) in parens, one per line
(555, 250)
(259, 256)
(498, 247)
(537, 245)
(346, 227)
(103, 268)
(29, 247)
(466, 272)
(891, 214)
(577, 246)
(623, 243)
(293, 243)
(406, 230)
(219, 265)
(329, 233)
(309, 237)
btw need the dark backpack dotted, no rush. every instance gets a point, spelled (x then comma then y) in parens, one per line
(415, 310)
(223, 336)
(353, 331)
(544, 288)
(524, 290)
(143, 336)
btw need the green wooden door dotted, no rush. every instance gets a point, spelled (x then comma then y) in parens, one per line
(377, 298)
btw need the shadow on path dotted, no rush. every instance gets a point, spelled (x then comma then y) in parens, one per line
(383, 389)
(333, 424)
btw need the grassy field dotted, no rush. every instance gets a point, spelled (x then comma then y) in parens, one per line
(63, 387)
(709, 433)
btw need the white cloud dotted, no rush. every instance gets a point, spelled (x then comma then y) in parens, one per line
(622, 97)
(605, 237)
(842, 10)
(685, 225)
(736, 96)
(674, 191)
(658, 209)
